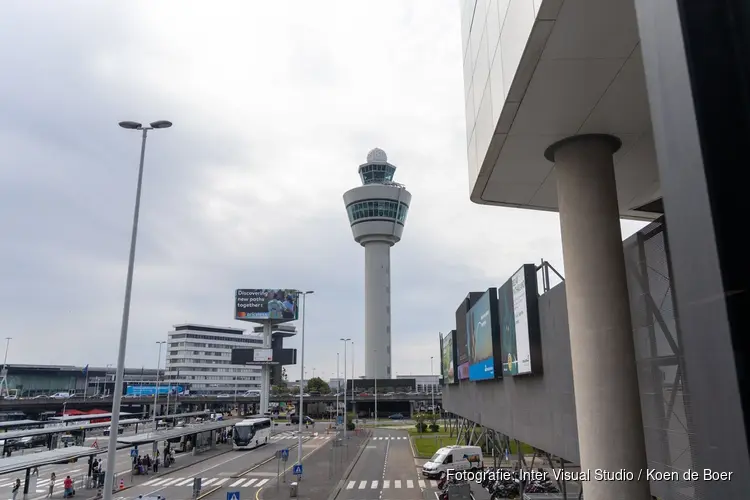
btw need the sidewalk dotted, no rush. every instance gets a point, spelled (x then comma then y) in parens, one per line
(323, 471)
(182, 461)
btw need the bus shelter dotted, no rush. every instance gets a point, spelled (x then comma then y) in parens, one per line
(58, 456)
(14, 439)
(195, 438)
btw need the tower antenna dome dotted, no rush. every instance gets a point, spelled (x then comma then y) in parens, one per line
(377, 155)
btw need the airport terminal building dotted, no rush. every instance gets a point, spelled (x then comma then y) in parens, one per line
(601, 110)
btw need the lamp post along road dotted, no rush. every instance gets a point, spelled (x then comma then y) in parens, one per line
(376, 391)
(338, 387)
(432, 386)
(117, 391)
(156, 393)
(301, 412)
(345, 413)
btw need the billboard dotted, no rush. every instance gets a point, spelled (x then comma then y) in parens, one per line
(462, 346)
(262, 355)
(150, 390)
(520, 332)
(448, 365)
(275, 305)
(481, 332)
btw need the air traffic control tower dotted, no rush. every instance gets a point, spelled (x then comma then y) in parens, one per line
(377, 213)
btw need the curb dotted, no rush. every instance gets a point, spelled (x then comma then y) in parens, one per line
(349, 469)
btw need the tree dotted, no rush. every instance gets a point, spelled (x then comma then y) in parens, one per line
(294, 389)
(432, 417)
(317, 384)
(421, 425)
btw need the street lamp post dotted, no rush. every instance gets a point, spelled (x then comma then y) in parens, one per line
(338, 387)
(117, 393)
(156, 392)
(4, 380)
(301, 410)
(376, 391)
(432, 386)
(353, 403)
(345, 417)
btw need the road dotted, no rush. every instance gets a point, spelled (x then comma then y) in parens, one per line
(224, 470)
(387, 470)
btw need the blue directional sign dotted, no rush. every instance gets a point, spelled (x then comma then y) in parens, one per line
(285, 454)
(133, 452)
(340, 420)
(297, 471)
(233, 495)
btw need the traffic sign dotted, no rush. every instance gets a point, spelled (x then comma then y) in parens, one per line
(96, 444)
(233, 495)
(285, 455)
(133, 452)
(297, 471)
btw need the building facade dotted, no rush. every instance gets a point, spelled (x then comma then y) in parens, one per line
(607, 109)
(40, 380)
(377, 214)
(200, 357)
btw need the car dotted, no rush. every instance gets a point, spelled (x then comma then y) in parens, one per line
(396, 416)
(294, 419)
(224, 396)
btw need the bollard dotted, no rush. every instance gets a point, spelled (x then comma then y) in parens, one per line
(293, 490)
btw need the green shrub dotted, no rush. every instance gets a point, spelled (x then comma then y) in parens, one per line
(350, 426)
(434, 427)
(421, 426)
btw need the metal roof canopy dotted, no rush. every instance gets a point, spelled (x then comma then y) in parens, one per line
(20, 423)
(150, 437)
(87, 416)
(62, 429)
(22, 462)
(183, 415)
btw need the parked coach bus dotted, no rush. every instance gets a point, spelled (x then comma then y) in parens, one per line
(251, 433)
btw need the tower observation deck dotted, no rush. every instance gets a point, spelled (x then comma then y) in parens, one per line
(377, 213)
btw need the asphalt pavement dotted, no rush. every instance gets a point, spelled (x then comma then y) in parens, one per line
(387, 471)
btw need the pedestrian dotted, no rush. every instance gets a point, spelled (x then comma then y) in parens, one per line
(52, 478)
(16, 488)
(68, 485)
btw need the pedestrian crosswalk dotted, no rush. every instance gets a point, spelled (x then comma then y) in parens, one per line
(392, 438)
(207, 481)
(292, 435)
(388, 484)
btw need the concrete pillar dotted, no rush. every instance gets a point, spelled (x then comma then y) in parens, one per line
(377, 309)
(608, 407)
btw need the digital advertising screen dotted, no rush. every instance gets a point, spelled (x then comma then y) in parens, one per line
(462, 352)
(265, 304)
(519, 323)
(449, 369)
(481, 329)
(262, 355)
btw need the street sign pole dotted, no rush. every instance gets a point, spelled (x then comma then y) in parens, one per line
(278, 469)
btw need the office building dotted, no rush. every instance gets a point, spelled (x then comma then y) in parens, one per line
(200, 357)
(377, 213)
(609, 109)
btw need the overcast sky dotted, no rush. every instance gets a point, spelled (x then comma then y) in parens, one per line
(274, 104)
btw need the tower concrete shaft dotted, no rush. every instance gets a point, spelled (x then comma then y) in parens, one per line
(377, 309)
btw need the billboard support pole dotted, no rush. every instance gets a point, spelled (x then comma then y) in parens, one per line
(265, 373)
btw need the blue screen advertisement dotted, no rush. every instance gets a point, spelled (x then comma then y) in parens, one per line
(479, 337)
(150, 390)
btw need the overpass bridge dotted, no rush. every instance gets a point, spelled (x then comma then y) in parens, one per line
(397, 403)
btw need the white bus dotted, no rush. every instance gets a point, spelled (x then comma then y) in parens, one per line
(251, 433)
